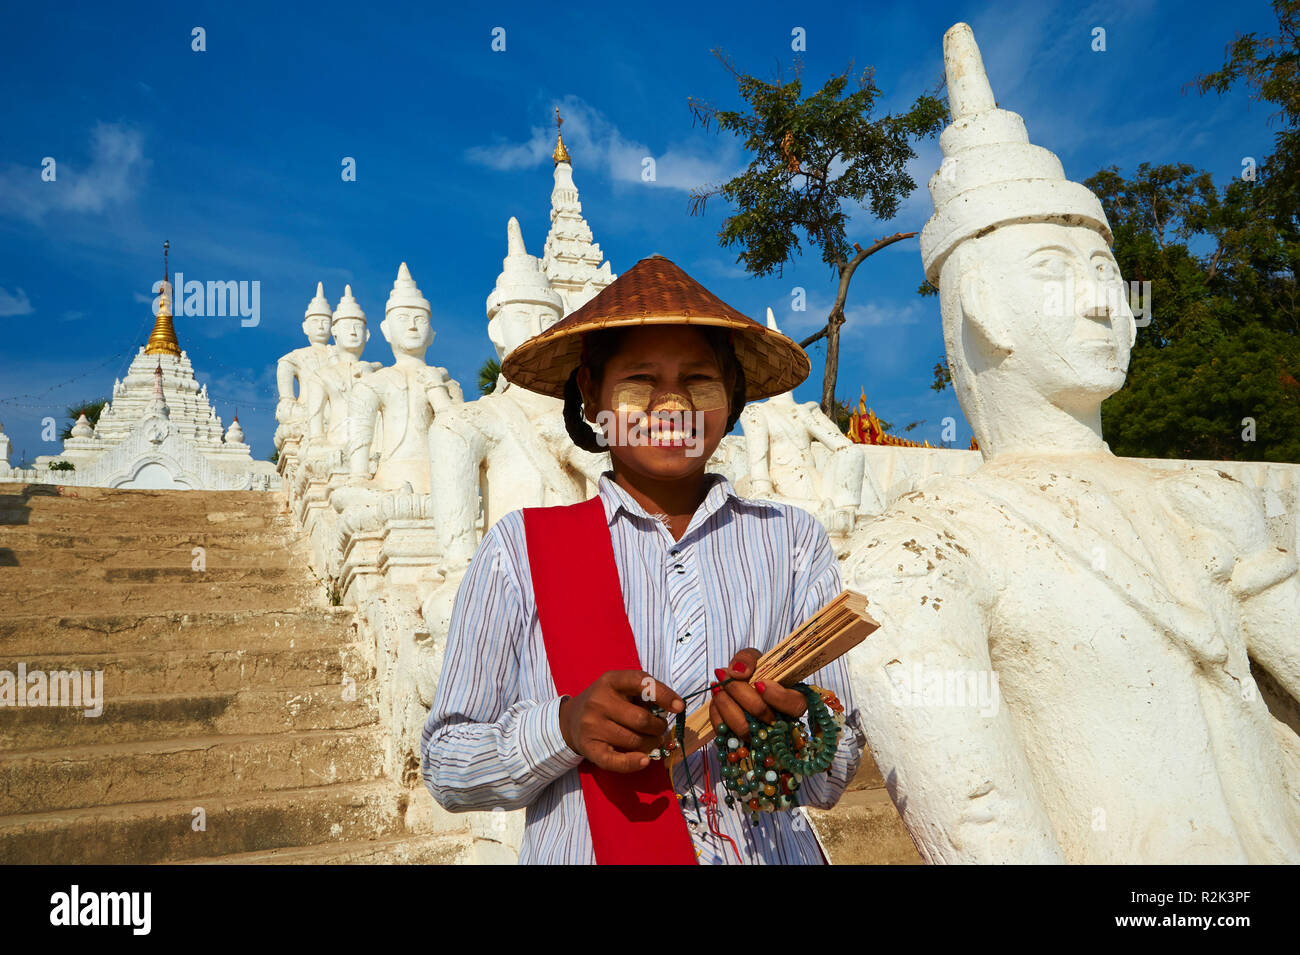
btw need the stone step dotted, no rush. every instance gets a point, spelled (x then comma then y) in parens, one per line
(25, 579)
(20, 499)
(27, 635)
(138, 597)
(148, 832)
(163, 520)
(186, 715)
(129, 552)
(864, 828)
(120, 537)
(154, 672)
(452, 848)
(199, 767)
(13, 494)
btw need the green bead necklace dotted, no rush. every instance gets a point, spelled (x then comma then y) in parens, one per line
(764, 773)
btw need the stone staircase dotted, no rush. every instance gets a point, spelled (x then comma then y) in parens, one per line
(240, 721)
(239, 717)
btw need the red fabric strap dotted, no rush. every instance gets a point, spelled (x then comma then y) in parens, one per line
(634, 817)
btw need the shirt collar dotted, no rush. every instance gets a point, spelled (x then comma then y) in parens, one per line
(616, 498)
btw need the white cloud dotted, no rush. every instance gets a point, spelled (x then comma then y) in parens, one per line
(596, 143)
(14, 303)
(113, 175)
(859, 317)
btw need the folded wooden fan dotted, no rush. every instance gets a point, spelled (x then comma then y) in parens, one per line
(839, 626)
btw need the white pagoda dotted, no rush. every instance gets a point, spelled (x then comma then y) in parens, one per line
(158, 431)
(571, 259)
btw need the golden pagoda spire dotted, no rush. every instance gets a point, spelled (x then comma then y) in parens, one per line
(561, 154)
(162, 340)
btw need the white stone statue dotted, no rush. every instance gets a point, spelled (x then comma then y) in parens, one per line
(510, 447)
(1064, 667)
(330, 388)
(299, 365)
(780, 439)
(402, 399)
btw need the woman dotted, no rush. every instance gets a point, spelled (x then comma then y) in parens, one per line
(576, 627)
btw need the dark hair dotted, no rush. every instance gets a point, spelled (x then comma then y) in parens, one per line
(604, 343)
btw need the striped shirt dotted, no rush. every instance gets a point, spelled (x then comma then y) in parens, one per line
(744, 574)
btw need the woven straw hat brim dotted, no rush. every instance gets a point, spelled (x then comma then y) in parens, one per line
(657, 292)
(773, 364)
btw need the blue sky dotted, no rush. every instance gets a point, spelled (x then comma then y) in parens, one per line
(234, 155)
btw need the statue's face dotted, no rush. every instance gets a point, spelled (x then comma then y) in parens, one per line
(408, 330)
(1055, 293)
(517, 322)
(350, 334)
(317, 329)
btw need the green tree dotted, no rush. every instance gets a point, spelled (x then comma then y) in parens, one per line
(815, 159)
(91, 409)
(487, 376)
(1214, 371)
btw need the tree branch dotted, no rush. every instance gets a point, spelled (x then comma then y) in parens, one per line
(814, 338)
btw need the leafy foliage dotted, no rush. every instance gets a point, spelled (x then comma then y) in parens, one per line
(91, 409)
(815, 159)
(487, 376)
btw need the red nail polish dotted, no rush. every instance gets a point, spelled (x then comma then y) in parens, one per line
(739, 668)
(721, 674)
(715, 690)
(760, 686)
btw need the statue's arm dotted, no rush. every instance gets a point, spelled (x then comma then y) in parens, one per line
(363, 408)
(1269, 619)
(756, 445)
(444, 392)
(285, 371)
(314, 399)
(957, 773)
(824, 430)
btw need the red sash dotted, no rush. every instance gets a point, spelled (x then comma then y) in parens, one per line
(634, 817)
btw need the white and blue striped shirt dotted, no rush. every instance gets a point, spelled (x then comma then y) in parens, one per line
(745, 573)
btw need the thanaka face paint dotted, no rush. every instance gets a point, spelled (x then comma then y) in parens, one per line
(636, 396)
(668, 419)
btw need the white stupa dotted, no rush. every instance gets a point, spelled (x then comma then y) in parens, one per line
(571, 259)
(158, 429)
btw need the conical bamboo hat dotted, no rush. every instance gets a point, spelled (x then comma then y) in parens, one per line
(657, 292)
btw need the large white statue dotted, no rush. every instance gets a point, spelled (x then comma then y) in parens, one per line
(510, 447)
(299, 365)
(401, 399)
(1063, 671)
(781, 444)
(329, 389)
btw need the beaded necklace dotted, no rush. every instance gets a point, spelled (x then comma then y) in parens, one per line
(765, 773)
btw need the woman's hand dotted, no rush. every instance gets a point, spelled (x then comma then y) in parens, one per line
(610, 722)
(763, 701)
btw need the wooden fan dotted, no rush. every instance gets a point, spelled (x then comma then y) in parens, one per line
(839, 626)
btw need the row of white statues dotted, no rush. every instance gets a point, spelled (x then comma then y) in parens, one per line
(407, 426)
(1138, 620)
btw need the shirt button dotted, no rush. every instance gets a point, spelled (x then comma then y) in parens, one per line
(681, 569)
(684, 637)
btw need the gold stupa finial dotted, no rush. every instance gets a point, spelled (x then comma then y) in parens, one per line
(162, 340)
(561, 154)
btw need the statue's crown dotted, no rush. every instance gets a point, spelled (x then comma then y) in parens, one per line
(992, 174)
